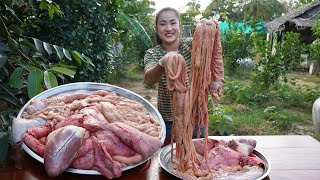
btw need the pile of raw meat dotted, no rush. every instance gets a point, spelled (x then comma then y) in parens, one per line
(101, 131)
(234, 159)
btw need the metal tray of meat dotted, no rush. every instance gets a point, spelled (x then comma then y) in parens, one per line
(166, 163)
(89, 87)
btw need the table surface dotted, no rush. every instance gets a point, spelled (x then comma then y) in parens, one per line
(291, 157)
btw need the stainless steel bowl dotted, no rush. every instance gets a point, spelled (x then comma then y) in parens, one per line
(89, 87)
(166, 163)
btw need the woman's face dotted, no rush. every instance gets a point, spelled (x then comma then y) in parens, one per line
(168, 27)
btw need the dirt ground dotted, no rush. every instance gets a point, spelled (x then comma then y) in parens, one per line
(137, 86)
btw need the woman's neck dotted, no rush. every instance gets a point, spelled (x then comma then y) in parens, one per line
(174, 46)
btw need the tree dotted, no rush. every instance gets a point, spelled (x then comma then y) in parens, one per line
(240, 10)
(224, 9)
(29, 65)
(298, 3)
(135, 24)
(87, 27)
(264, 10)
(191, 13)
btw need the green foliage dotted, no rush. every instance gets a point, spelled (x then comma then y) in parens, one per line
(136, 33)
(299, 3)
(190, 14)
(276, 115)
(281, 109)
(219, 120)
(86, 27)
(29, 65)
(273, 66)
(314, 47)
(265, 10)
(52, 8)
(226, 9)
(236, 45)
(245, 93)
(239, 10)
(316, 28)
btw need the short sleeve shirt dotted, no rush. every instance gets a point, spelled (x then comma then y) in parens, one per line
(165, 96)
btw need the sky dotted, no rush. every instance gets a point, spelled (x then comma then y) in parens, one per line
(178, 4)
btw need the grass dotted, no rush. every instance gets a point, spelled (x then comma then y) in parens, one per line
(303, 76)
(285, 110)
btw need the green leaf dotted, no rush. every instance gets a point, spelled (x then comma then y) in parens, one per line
(13, 45)
(7, 89)
(50, 11)
(3, 31)
(28, 44)
(39, 45)
(43, 5)
(47, 47)
(24, 64)
(67, 54)
(25, 49)
(15, 28)
(11, 99)
(77, 56)
(12, 12)
(7, 120)
(3, 60)
(35, 78)
(147, 10)
(67, 66)
(16, 80)
(59, 51)
(56, 9)
(4, 47)
(88, 60)
(50, 80)
(65, 71)
(135, 28)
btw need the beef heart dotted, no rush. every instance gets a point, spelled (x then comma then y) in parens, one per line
(61, 148)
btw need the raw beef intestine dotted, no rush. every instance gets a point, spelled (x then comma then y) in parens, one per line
(113, 108)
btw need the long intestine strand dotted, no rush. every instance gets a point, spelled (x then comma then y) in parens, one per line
(190, 103)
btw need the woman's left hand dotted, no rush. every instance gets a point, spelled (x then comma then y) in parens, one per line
(209, 23)
(215, 89)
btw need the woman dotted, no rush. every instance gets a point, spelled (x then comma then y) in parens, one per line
(169, 41)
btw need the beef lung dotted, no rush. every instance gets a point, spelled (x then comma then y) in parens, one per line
(111, 143)
(114, 139)
(104, 162)
(222, 156)
(85, 157)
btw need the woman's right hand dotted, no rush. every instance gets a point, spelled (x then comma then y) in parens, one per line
(163, 60)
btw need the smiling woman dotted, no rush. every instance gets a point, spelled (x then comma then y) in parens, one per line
(167, 27)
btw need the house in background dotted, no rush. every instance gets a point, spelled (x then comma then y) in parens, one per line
(300, 21)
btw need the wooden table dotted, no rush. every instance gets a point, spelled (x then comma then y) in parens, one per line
(291, 157)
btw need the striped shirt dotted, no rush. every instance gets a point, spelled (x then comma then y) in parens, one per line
(165, 96)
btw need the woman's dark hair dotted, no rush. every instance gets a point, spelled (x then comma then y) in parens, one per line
(157, 18)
